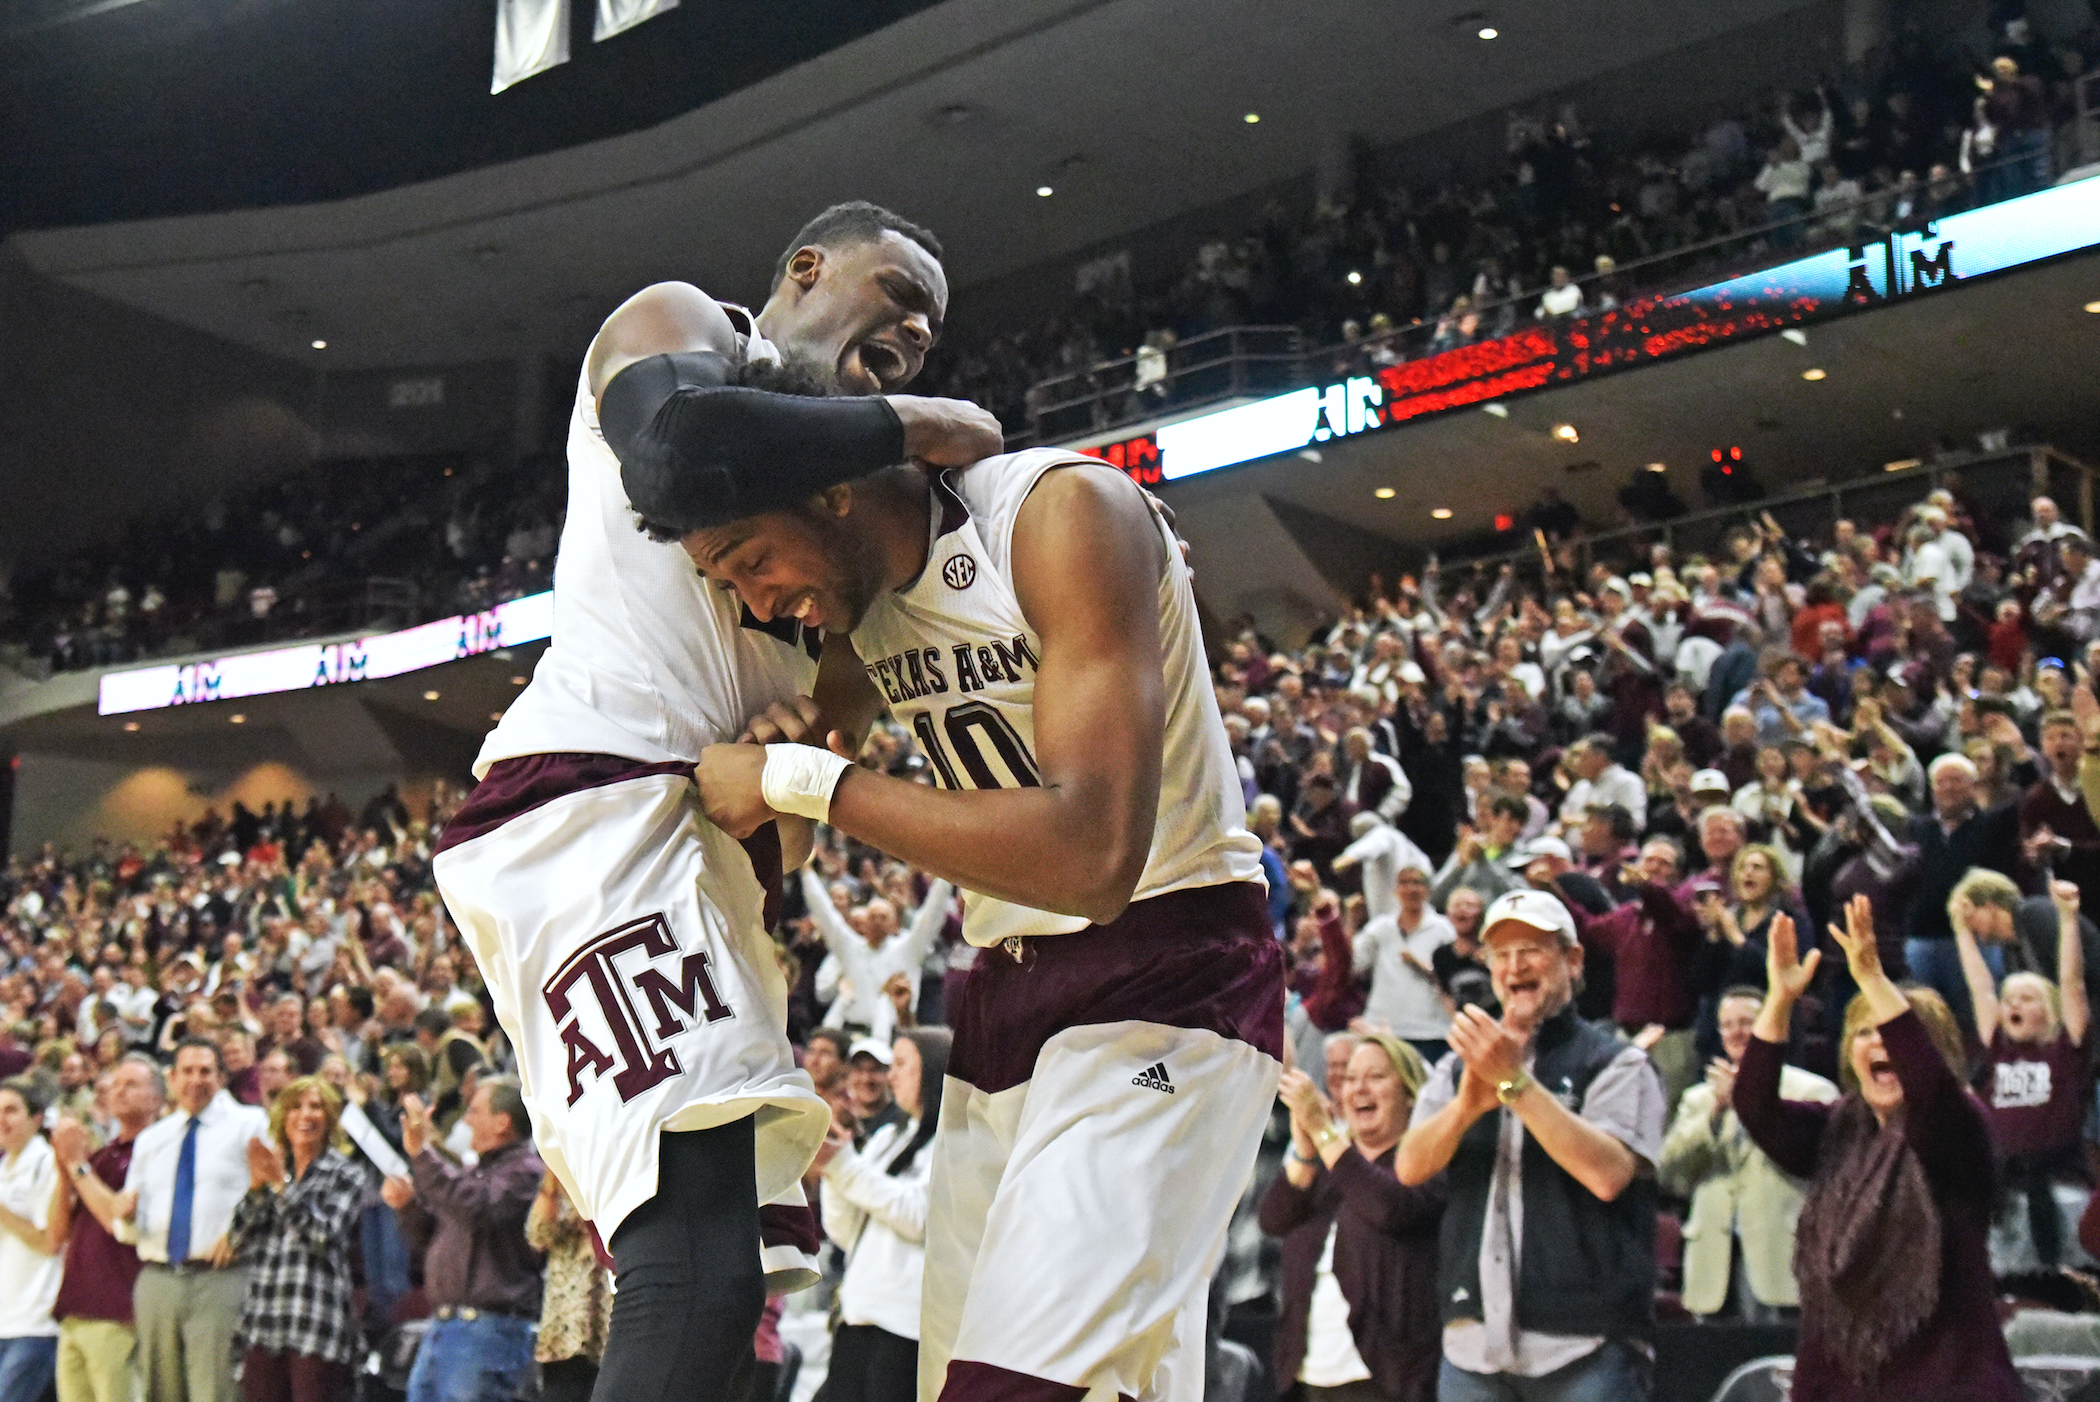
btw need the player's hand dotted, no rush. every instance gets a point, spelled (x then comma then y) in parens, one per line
(947, 432)
(784, 723)
(730, 792)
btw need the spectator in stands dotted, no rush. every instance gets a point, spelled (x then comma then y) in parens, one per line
(30, 1266)
(1359, 1302)
(1398, 952)
(1601, 779)
(2017, 110)
(1784, 182)
(577, 1309)
(188, 1173)
(482, 1278)
(2035, 1074)
(294, 1232)
(1573, 1295)
(2055, 822)
(1892, 1257)
(1739, 1236)
(1955, 836)
(868, 1096)
(97, 1345)
(874, 1203)
(1653, 941)
(1563, 297)
(1480, 860)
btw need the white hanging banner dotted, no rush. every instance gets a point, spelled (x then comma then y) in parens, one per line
(619, 16)
(531, 37)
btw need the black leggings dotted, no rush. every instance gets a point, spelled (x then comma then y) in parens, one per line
(871, 1365)
(690, 1286)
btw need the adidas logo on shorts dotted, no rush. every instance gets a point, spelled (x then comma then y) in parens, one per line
(1154, 1077)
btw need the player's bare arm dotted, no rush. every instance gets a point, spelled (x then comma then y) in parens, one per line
(696, 448)
(1087, 557)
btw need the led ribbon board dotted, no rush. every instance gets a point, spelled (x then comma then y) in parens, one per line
(308, 665)
(1842, 280)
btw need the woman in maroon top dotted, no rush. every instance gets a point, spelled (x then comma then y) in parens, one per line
(1897, 1298)
(2034, 1077)
(1360, 1321)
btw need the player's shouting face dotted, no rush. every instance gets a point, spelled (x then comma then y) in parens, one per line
(868, 309)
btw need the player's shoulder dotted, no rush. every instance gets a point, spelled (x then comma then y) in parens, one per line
(664, 318)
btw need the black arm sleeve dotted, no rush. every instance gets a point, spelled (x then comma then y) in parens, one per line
(697, 451)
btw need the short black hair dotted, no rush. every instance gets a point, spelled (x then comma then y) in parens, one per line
(1508, 805)
(855, 221)
(218, 1053)
(436, 1021)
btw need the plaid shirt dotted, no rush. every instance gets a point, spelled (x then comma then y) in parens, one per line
(296, 1245)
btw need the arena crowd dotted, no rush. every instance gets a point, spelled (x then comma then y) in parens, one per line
(256, 1110)
(1573, 220)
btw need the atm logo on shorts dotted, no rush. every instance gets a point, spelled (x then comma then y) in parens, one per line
(638, 1008)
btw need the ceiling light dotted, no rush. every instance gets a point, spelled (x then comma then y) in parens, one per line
(1489, 31)
(237, 719)
(320, 345)
(1045, 191)
(517, 681)
(1355, 277)
(131, 725)
(2093, 307)
(1658, 467)
(431, 695)
(1902, 464)
(1442, 513)
(1812, 374)
(1566, 433)
(1798, 337)
(1385, 493)
(1498, 409)
(1251, 118)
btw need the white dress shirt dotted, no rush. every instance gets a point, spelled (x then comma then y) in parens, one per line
(865, 968)
(224, 1129)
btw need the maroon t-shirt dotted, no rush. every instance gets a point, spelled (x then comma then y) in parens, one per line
(99, 1268)
(2035, 1094)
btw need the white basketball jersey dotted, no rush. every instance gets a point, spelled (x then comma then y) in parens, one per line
(648, 661)
(956, 660)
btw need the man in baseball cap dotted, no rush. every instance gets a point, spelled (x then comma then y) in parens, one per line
(1543, 1109)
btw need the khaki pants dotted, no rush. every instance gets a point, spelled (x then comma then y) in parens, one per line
(186, 1321)
(95, 1361)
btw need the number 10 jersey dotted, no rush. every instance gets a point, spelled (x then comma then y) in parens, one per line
(955, 658)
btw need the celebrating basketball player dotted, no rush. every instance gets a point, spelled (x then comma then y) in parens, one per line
(621, 934)
(1116, 1051)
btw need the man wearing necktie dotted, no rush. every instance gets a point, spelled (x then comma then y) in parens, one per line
(187, 1173)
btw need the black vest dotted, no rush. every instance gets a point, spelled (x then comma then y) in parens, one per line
(1585, 1266)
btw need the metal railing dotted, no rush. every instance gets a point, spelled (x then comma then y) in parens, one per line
(1996, 485)
(1228, 364)
(1243, 360)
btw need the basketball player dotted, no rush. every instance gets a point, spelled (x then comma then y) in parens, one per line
(1117, 1045)
(622, 935)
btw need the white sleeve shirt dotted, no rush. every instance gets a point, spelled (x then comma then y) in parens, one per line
(224, 1129)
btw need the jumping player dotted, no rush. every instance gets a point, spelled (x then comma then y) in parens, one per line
(621, 934)
(1118, 1043)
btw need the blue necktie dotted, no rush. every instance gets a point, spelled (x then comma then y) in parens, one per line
(185, 1197)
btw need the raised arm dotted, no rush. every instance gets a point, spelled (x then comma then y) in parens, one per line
(838, 935)
(1983, 989)
(930, 919)
(2070, 962)
(1086, 550)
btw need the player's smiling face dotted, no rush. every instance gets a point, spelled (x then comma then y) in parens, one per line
(869, 310)
(805, 564)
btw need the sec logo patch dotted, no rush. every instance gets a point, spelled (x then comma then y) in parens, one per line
(960, 572)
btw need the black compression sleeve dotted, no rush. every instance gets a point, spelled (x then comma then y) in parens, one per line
(696, 451)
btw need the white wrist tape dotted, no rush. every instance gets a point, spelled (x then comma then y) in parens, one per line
(799, 779)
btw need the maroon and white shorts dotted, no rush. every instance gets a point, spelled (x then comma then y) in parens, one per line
(1105, 1097)
(623, 939)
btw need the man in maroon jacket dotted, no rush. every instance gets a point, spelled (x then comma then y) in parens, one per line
(96, 1343)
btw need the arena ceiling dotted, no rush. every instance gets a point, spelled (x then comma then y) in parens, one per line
(238, 165)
